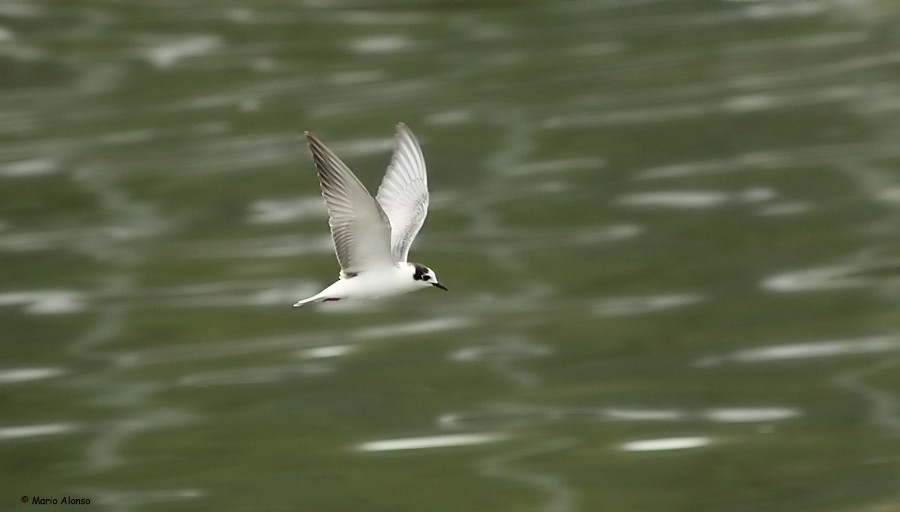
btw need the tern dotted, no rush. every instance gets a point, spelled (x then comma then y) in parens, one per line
(372, 236)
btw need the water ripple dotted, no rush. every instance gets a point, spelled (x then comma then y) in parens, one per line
(16, 375)
(666, 443)
(443, 441)
(256, 375)
(808, 350)
(47, 429)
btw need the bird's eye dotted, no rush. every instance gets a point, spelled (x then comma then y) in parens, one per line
(426, 277)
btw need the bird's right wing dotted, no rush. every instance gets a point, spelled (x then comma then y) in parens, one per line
(403, 193)
(360, 228)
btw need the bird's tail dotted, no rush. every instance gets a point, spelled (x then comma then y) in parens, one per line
(312, 300)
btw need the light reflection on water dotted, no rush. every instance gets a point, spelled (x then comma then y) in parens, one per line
(809, 350)
(15, 375)
(25, 431)
(47, 302)
(419, 443)
(520, 416)
(837, 277)
(670, 228)
(664, 444)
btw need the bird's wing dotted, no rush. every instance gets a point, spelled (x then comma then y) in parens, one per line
(403, 194)
(359, 226)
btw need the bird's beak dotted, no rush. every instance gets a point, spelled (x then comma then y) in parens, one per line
(439, 285)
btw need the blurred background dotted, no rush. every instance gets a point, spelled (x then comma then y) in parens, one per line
(671, 231)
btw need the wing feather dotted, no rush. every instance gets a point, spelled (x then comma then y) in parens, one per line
(359, 226)
(403, 194)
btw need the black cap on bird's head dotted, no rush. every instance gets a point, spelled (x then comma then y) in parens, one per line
(427, 276)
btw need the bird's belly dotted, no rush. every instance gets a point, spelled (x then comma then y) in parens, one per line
(373, 287)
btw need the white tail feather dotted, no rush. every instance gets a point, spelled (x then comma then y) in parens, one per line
(311, 300)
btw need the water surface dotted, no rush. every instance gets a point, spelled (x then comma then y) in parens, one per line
(671, 231)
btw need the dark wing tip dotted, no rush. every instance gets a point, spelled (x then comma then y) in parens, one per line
(326, 163)
(315, 147)
(404, 131)
(403, 128)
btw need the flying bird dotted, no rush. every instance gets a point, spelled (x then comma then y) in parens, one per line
(372, 236)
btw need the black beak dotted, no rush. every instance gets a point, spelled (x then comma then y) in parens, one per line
(439, 285)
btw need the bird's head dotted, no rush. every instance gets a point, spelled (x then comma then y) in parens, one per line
(426, 276)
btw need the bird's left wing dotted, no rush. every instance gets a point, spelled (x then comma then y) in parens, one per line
(359, 227)
(403, 194)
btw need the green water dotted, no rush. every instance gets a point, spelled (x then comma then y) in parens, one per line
(671, 231)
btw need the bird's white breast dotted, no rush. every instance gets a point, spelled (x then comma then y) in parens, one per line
(375, 284)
